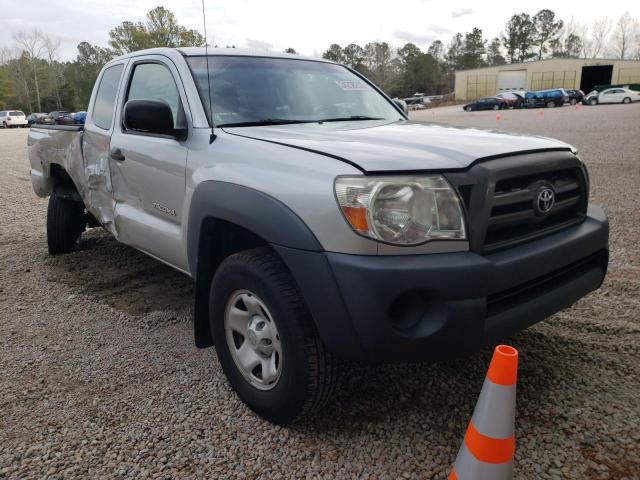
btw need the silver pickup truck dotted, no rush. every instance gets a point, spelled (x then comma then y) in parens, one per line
(316, 220)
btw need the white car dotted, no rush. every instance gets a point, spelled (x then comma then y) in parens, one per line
(613, 95)
(12, 118)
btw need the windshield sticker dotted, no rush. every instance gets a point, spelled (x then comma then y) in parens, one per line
(351, 85)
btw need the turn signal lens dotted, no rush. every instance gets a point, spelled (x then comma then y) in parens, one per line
(401, 210)
(357, 218)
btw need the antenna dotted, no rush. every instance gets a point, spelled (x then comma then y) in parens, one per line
(206, 55)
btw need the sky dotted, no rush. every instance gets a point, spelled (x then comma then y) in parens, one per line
(309, 26)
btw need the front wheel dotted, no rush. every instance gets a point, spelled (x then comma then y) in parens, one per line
(496, 107)
(593, 101)
(66, 221)
(573, 101)
(266, 341)
(626, 100)
(467, 109)
(551, 104)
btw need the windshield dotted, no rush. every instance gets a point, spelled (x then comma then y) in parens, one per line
(249, 91)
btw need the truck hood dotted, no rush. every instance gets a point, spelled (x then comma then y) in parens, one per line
(405, 145)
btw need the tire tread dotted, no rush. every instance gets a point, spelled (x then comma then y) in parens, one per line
(323, 375)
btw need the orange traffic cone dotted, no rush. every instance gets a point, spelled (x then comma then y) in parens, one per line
(489, 444)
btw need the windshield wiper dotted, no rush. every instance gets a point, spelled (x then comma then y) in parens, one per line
(348, 119)
(266, 121)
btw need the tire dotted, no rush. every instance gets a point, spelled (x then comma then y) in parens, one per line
(626, 100)
(573, 101)
(66, 221)
(467, 109)
(308, 372)
(551, 104)
(593, 101)
(496, 107)
(4, 125)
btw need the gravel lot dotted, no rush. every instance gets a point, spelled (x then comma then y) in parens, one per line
(99, 376)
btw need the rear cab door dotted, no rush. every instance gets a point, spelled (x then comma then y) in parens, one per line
(95, 144)
(148, 170)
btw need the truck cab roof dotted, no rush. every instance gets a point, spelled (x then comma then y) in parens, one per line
(201, 51)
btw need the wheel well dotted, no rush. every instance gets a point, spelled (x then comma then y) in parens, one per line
(218, 240)
(62, 182)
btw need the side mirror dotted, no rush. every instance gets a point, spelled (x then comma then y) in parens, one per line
(151, 116)
(402, 105)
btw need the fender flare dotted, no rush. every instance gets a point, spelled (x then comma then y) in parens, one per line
(246, 207)
(257, 212)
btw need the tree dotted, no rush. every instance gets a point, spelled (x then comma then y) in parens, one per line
(33, 47)
(568, 43)
(453, 57)
(494, 53)
(624, 34)
(419, 71)
(160, 30)
(353, 56)
(546, 30)
(52, 45)
(473, 49)
(519, 38)
(436, 50)
(7, 86)
(291, 50)
(334, 53)
(380, 64)
(599, 33)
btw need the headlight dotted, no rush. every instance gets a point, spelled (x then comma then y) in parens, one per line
(403, 210)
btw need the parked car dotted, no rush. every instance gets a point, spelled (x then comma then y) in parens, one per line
(46, 119)
(553, 97)
(488, 103)
(322, 227)
(612, 95)
(511, 99)
(79, 118)
(575, 96)
(12, 119)
(417, 103)
(52, 118)
(33, 117)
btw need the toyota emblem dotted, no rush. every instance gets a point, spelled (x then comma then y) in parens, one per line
(546, 199)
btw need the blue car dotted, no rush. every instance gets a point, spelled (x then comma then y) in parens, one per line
(79, 118)
(554, 97)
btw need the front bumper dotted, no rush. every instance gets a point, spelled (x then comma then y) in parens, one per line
(435, 306)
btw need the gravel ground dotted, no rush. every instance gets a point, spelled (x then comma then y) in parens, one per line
(99, 376)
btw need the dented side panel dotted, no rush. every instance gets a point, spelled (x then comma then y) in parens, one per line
(99, 199)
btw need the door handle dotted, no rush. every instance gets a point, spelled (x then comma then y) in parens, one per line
(117, 154)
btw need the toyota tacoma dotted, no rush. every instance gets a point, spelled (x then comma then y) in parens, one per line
(317, 222)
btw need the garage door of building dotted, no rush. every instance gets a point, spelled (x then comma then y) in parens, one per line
(512, 80)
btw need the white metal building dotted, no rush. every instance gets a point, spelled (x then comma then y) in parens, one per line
(538, 75)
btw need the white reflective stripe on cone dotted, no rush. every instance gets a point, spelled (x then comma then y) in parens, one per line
(495, 412)
(468, 467)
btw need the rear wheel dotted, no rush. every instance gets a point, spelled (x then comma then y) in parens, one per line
(573, 101)
(4, 124)
(266, 341)
(496, 107)
(551, 104)
(626, 100)
(66, 221)
(467, 109)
